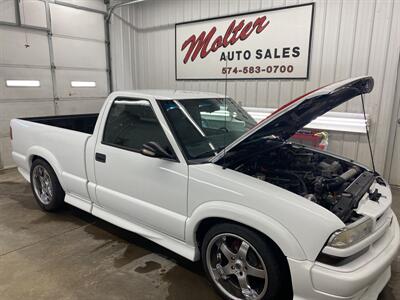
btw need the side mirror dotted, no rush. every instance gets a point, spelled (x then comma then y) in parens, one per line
(153, 149)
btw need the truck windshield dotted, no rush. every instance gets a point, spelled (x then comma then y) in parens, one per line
(204, 127)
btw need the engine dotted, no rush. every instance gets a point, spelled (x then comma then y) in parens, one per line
(318, 177)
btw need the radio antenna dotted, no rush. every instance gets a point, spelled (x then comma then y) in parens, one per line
(226, 110)
(366, 129)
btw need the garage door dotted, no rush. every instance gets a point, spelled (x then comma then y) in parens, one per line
(60, 52)
(79, 58)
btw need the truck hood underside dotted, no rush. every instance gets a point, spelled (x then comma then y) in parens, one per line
(291, 117)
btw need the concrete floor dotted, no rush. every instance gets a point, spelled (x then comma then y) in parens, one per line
(73, 255)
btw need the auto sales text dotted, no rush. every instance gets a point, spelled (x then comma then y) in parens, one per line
(274, 53)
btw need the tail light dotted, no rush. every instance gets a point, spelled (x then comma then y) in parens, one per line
(11, 134)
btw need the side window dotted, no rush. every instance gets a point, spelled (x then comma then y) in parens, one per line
(132, 123)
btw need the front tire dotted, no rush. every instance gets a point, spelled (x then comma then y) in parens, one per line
(45, 186)
(241, 264)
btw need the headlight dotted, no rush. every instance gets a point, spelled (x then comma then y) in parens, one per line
(351, 234)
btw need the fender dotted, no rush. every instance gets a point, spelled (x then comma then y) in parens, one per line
(249, 217)
(49, 157)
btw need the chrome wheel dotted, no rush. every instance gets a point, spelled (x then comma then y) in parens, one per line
(42, 184)
(236, 267)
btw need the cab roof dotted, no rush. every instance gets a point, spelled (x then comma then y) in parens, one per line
(168, 94)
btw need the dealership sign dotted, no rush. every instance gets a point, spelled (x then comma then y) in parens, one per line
(265, 44)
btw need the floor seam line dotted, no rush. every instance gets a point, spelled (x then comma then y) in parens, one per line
(46, 239)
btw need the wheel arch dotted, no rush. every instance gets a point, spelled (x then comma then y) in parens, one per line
(41, 153)
(209, 213)
(287, 288)
(207, 223)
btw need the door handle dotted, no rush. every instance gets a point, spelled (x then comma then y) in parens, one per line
(100, 157)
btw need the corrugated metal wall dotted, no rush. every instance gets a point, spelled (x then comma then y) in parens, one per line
(350, 38)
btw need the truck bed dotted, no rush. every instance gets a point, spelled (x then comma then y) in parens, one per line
(83, 123)
(60, 140)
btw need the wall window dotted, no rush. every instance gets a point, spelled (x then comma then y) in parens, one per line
(7, 11)
(83, 83)
(22, 83)
(132, 123)
(33, 13)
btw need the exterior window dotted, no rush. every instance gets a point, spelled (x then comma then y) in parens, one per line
(83, 83)
(22, 83)
(132, 123)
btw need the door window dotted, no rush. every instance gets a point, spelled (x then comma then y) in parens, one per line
(203, 127)
(132, 123)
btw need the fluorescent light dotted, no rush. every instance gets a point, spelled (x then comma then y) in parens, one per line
(23, 83)
(335, 121)
(83, 83)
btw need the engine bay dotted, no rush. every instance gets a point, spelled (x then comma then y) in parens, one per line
(332, 183)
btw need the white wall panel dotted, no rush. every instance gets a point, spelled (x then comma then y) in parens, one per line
(64, 78)
(79, 53)
(388, 88)
(76, 22)
(81, 106)
(23, 109)
(350, 38)
(13, 50)
(33, 13)
(44, 91)
(93, 4)
(7, 11)
(123, 39)
(393, 162)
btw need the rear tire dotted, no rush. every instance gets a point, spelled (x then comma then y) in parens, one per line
(241, 264)
(45, 186)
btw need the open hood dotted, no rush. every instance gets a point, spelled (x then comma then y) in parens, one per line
(288, 119)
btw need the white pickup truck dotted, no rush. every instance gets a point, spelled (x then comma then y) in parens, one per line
(194, 173)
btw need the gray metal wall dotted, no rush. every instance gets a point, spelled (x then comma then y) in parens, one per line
(54, 42)
(350, 38)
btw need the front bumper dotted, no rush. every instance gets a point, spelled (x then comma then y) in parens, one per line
(362, 278)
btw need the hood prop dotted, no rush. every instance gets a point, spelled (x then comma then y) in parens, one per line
(226, 92)
(369, 140)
